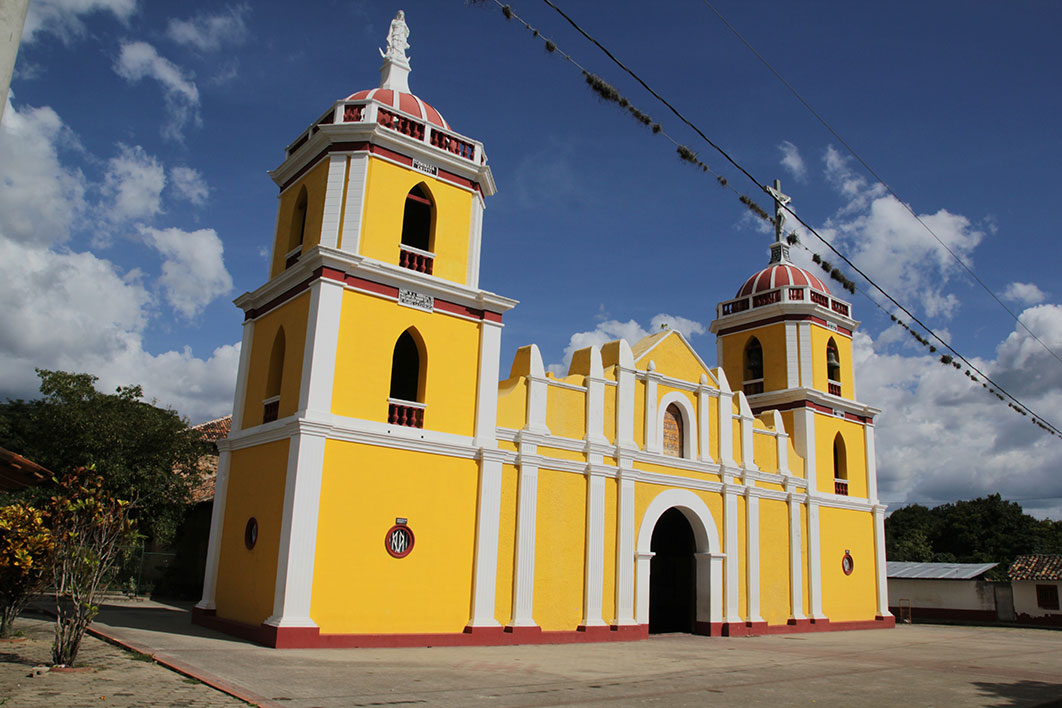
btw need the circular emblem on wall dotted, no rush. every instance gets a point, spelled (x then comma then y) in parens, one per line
(399, 541)
(250, 533)
(847, 564)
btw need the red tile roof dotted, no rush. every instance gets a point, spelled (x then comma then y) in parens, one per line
(212, 431)
(17, 472)
(1037, 566)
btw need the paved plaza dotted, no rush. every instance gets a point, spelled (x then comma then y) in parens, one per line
(920, 665)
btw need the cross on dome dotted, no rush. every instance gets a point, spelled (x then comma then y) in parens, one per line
(779, 249)
(394, 74)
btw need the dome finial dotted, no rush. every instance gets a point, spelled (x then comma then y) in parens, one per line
(394, 74)
(779, 249)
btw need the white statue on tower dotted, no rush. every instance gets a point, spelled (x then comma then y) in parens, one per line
(397, 37)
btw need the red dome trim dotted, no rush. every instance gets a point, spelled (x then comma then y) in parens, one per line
(780, 275)
(405, 102)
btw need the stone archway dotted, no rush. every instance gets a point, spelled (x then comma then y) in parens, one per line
(672, 575)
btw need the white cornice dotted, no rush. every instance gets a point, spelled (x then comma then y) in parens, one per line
(752, 316)
(773, 399)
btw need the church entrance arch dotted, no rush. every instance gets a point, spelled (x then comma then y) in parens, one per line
(679, 579)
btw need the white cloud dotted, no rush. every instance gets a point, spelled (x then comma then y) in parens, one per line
(39, 197)
(189, 185)
(70, 310)
(792, 161)
(1024, 293)
(193, 273)
(63, 17)
(208, 33)
(139, 60)
(133, 185)
(610, 330)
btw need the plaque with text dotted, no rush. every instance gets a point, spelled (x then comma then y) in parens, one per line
(418, 301)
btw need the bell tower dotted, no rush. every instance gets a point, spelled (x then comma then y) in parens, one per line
(366, 396)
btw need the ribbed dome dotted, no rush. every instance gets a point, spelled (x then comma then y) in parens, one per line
(405, 102)
(779, 275)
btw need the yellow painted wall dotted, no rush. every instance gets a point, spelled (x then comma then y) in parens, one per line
(742, 559)
(292, 315)
(503, 589)
(772, 339)
(512, 403)
(357, 586)
(639, 413)
(369, 328)
(848, 598)
(386, 188)
(820, 336)
(315, 182)
(673, 358)
(608, 604)
(610, 414)
(765, 451)
(713, 427)
(247, 578)
(805, 595)
(826, 427)
(566, 412)
(774, 561)
(560, 550)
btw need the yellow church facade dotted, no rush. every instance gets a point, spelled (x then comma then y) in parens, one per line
(381, 487)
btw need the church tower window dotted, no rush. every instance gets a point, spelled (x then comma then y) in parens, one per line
(405, 405)
(833, 368)
(753, 364)
(417, 225)
(274, 378)
(840, 466)
(298, 229)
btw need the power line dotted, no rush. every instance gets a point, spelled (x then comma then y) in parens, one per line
(881, 180)
(551, 46)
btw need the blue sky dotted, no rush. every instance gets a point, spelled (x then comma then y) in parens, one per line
(134, 200)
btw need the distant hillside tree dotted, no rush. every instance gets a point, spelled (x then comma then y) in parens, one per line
(145, 454)
(983, 530)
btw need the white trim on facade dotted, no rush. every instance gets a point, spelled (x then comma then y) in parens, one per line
(488, 525)
(752, 560)
(217, 523)
(322, 345)
(353, 209)
(593, 584)
(689, 424)
(732, 611)
(332, 213)
(526, 522)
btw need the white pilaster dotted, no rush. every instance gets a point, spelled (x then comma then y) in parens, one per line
(488, 523)
(537, 392)
(298, 532)
(652, 439)
(804, 333)
(475, 236)
(709, 593)
(781, 442)
(814, 561)
(752, 548)
(322, 343)
(487, 384)
(239, 398)
(726, 420)
(872, 463)
(625, 570)
(625, 398)
(879, 561)
(704, 424)
(747, 426)
(593, 585)
(217, 522)
(643, 564)
(526, 517)
(595, 400)
(732, 611)
(353, 208)
(333, 201)
(792, 356)
(796, 575)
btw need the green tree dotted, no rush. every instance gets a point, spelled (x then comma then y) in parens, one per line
(145, 454)
(26, 547)
(91, 528)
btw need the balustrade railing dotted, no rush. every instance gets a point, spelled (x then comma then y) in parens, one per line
(840, 486)
(405, 413)
(416, 259)
(270, 409)
(834, 388)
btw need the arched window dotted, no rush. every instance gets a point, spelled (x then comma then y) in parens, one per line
(673, 438)
(833, 367)
(753, 367)
(417, 230)
(840, 466)
(274, 379)
(297, 230)
(406, 399)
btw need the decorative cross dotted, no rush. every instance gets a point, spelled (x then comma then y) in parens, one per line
(780, 200)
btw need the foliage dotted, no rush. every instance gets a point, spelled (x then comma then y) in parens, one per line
(26, 547)
(983, 530)
(91, 527)
(146, 454)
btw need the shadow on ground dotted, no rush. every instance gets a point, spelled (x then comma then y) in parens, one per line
(1022, 692)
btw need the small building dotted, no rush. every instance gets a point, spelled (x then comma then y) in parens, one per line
(946, 591)
(1037, 583)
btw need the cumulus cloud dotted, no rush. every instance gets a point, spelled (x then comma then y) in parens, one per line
(133, 185)
(193, 272)
(39, 197)
(189, 185)
(140, 60)
(792, 161)
(1024, 294)
(63, 17)
(208, 33)
(610, 330)
(73, 310)
(881, 236)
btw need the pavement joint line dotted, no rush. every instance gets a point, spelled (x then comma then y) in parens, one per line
(174, 664)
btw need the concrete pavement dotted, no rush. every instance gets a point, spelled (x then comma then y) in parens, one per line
(920, 665)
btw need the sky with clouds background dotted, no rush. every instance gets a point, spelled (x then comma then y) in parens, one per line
(135, 205)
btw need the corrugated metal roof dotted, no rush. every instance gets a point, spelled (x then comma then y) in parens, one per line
(936, 571)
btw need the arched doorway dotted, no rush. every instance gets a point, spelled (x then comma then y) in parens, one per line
(672, 575)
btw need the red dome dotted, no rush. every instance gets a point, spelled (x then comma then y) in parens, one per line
(780, 275)
(405, 102)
